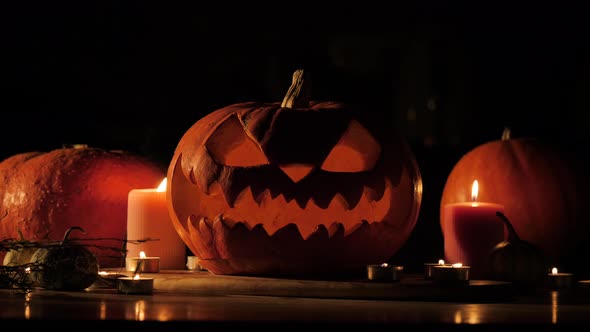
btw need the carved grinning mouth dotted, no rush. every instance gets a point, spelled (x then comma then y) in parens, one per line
(276, 211)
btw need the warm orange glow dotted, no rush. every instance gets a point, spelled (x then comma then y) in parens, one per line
(296, 171)
(142, 254)
(441, 262)
(136, 277)
(103, 273)
(457, 265)
(384, 265)
(554, 271)
(357, 151)
(162, 186)
(231, 145)
(370, 207)
(474, 190)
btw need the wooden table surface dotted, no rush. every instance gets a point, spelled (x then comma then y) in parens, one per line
(105, 307)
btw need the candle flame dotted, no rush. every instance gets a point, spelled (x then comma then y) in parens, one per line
(457, 265)
(384, 265)
(142, 254)
(474, 190)
(554, 270)
(441, 262)
(136, 277)
(162, 186)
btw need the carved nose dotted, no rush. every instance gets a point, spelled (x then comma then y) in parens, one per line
(296, 171)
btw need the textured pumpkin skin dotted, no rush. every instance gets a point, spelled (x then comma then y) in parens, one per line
(15, 257)
(544, 191)
(46, 193)
(65, 267)
(256, 221)
(518, 262)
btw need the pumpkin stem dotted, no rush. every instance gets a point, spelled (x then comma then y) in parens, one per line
(298, 93)
(506, 134)
(512, 235)
(69, 230)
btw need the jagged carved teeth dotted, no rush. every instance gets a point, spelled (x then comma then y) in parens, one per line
(350, 199)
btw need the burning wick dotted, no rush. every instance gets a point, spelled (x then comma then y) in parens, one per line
(455, 273)
(559, 280)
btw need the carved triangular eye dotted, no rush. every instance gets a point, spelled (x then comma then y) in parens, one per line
(356, 151)
(230, 145)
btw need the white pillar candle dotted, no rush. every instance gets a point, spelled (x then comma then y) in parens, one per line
(148, 218)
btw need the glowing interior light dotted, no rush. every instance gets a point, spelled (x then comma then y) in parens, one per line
(142, 254)
(103, 273)
(441, 262)
(554, 270)
(457, 265)
(384, 265)
(136, 277)
(162, 186)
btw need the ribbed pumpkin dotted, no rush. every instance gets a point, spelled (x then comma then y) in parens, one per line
(517, 260)
(295, 188)
(67, 265)
(544, 191)
(42, 194)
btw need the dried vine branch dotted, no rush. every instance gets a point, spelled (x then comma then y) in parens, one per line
(17, 276)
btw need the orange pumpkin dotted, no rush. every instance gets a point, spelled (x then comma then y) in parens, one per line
(543, 189)
(43, 194)
(293, 188)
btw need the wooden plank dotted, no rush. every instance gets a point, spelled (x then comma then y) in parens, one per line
(410, 287)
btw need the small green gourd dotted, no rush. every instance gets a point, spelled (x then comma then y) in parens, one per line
(517, 260)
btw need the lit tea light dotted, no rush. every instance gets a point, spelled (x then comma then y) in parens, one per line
(135, 285)
(148, 264)
(384, 272)
(428, 268)
(108, 279)
(559, 280)
(584, 287)
(456, 273)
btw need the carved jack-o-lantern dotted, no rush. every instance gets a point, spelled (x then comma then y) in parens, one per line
(298, 188)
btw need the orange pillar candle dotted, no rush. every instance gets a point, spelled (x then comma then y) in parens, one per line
(148, 218)
(472, 230)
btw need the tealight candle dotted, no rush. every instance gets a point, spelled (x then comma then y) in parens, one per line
(559, 280)
(148, 264)
(584, 288)
(384, 272)
(135, 285)
(428, 268)
(109, 278)
(451, 274)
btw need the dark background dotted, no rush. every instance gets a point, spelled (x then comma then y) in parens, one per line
(135, 75)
